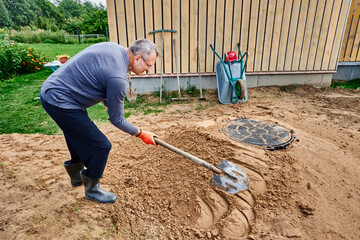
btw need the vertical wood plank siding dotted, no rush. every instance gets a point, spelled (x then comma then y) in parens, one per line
(280, 35)
(350, 46)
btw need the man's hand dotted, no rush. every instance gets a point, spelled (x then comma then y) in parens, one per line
(147, 137)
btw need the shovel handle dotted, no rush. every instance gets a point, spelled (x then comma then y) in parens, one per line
(188, 156)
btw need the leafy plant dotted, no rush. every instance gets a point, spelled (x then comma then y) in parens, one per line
(18, 59)
(28, 35)
(193, 91)
(31, 60)
(166, 95)
(353, 84)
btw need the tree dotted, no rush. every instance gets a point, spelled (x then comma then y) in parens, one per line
(72, 24)
(65, 14)
(23, 12)
(5, 19)
(95, 22)
(48, 10)
(70, 8)
(91, 7)
(50, 17)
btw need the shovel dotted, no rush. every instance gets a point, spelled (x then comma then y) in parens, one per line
(200, 84)
(226, 176)
(178, 79)
(130, 94)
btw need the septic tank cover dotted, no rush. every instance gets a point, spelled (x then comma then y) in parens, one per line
(268, 135)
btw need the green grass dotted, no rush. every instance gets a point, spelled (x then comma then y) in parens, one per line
(353, 84)
(52, 50)
(21, 111)
(20, 108)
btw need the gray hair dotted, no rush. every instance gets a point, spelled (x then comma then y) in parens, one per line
(144, 47)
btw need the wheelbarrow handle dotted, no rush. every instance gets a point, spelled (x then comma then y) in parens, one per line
(188, 156)
(212, 48)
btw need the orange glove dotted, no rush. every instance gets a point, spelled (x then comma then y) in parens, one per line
(147, 137)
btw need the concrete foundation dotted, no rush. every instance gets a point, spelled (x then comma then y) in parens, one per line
(152, 84)
(347, 71)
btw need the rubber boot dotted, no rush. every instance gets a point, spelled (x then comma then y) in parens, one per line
(93, 191)
(74, 172)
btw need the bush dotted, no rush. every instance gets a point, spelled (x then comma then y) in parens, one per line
(95, 40)
(26, 35)
(50, 41)
(18, 59)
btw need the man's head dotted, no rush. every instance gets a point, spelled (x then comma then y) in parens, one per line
(142, 56)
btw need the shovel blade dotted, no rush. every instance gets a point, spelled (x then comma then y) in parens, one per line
(232, 180)
(131, 95)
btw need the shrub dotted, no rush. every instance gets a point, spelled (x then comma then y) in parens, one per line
(27, 35)
(16, 58)
(31, 60)
(50, 41)
(95, 40)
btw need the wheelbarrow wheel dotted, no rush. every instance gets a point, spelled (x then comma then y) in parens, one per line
(240, 89)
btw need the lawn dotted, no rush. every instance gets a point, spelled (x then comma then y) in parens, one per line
(21, 111)
(53, 50)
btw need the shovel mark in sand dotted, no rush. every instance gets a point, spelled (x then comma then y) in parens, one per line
(245, 203)
(211, 210)
(238, 221)
(257, 181)
(235, 224)
(206, 217)
(235, 221)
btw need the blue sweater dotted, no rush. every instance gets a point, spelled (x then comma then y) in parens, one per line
(96, 74)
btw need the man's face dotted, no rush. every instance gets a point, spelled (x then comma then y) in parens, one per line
(142, 64)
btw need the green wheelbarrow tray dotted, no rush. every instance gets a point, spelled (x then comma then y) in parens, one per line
(231, 79)
(228, 89)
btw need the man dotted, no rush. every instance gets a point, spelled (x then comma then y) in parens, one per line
(96, 74)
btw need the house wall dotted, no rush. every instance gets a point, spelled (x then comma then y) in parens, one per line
(351, 43)
(349, 60)
(281, 36)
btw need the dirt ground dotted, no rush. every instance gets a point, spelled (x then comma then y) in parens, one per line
(310, 190)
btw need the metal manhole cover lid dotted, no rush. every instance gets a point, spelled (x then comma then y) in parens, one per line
(271, 136)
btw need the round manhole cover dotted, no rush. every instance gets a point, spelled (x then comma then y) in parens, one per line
(268, 135)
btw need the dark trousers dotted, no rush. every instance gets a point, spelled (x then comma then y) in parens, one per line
(86, 143)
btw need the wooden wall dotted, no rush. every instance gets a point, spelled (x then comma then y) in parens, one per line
(280, 35)
(350, 47)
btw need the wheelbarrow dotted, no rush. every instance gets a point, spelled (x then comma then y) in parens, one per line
(230, 76)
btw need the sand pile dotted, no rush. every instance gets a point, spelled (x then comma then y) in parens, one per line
(310, 190)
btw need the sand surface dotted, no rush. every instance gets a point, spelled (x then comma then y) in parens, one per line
(310, 190)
